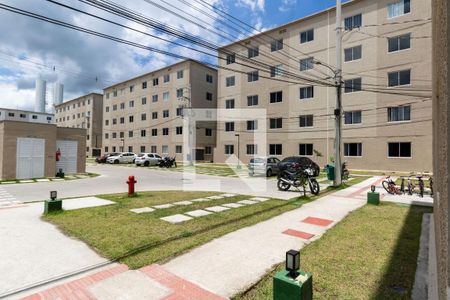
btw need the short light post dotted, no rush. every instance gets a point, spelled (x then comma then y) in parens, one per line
(238, 151)
(53, 204)
(293, 262)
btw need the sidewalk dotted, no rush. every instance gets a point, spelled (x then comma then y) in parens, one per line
(224, 266)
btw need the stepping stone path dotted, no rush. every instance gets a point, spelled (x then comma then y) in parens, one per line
(247, 202)
(162, 206)
(142, 210)
(43, 180)
(198, 213)
(228, 195)
(201, 200)
(259, 199)
(215, 197)
(58, 179)
(232, 205)
(183, 203)
(176, 218)
(216, 208)
(26, 181)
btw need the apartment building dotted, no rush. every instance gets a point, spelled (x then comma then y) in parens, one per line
(386, 95)
(84, 112)
(145, 114)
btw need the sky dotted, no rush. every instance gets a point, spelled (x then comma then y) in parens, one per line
(31, 49)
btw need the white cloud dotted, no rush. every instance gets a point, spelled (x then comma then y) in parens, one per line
(286, 5)
(252, 4)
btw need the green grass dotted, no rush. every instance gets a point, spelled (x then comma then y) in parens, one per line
(372, 254)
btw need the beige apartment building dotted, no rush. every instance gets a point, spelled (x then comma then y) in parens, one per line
(386, 96)
(145, 113)
(84, 112)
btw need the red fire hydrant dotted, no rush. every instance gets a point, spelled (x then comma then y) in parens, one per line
(131, 181)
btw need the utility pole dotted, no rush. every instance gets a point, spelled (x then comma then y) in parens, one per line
(338, 109)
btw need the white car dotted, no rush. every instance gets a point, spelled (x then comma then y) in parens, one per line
(147, 159)
(122, 158)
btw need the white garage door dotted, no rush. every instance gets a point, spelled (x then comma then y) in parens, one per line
(68, 159)
(30, 157)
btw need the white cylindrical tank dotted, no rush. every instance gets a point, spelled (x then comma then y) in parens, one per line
(39, 104)
(58, 93)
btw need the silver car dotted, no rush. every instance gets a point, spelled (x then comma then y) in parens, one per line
(263, 165)
(147, 159)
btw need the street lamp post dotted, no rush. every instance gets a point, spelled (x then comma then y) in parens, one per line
(238, 151)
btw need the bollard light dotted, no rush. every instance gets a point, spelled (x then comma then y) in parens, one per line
(293, 262)
(53, 195)
(372, 188)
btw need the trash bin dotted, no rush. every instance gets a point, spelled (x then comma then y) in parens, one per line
(330, 172)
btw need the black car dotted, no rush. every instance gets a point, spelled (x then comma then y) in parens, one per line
(304, 162)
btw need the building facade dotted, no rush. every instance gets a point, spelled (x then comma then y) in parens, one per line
(386, 95)
(145, 114)
(84, 112)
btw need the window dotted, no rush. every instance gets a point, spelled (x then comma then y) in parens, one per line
(229, 149)
(165, 113)
(107, 97)
(275, 123)
(252, 100)
(399, 8)
(353, 53)
(306, 36)
(178, 149)
(208, 150)
(143, 133)
(121, 134)
(131, 90)
(179, 111)
(229, 104)
(352, 85)
(276, 70)
(166, 78)
(34, 117)
(166, 96)
(253, 52)
(130, 134)
(252, 149)
(153, 149)
(352, 149)
(276, 45)
(122, 105)
(114, 94)
(306, 64)
(400, 42)
(353, 22)
(209, 78)
(165, 149)
(276, 97)
(114, 135)
(179, 130)
(154, 133)
(252, 76)
(399, 149)
(165, 131)
(231, 58)
(252, 125)
(400, 113)
(229, 126)
(122, 120)
(114, 121)
(143, 117)
(179, 93)
(23, 115)
(131, 103)
(209, 96)
(306, 121)
(115, 107)
(142, 149)
(144, 85)
(305, 149)
(180, 74)
(208, 132)
(155, 98)
(230, 81)
(131, 119)
(154, 115)
(155, 81)
(352, 117)
(399, 78)
(275, 149)
(307, 92)
(107, 109)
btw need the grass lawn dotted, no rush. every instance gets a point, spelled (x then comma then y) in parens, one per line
(139, 240)
(372, 254)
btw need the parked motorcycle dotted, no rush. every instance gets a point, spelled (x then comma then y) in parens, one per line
(298, 177)
(167, 162)
(345, 174)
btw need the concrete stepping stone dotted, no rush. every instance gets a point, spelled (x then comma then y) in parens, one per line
(247, 202)
(9, 182)
(232, 205)
(84, 202)
(215, 197)
(201, 200)
(216, 208)
(58, 179)
(162, 206)
(228, 195)
(259, 199)
(26, 181)
(142, 210)
(43, 180)
(176, 218)
(183, 203)
(198, 213)
(82, 176)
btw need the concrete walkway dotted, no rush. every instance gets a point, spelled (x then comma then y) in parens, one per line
(223, 267)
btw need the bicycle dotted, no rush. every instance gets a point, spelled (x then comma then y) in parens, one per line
(390, 186)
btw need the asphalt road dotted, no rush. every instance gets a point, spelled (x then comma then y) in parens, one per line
(113, 179)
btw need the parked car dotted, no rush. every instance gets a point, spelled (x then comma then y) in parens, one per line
(102, 159)
(263, 165)
(122, 158)
(304, 162)
(147, 159)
